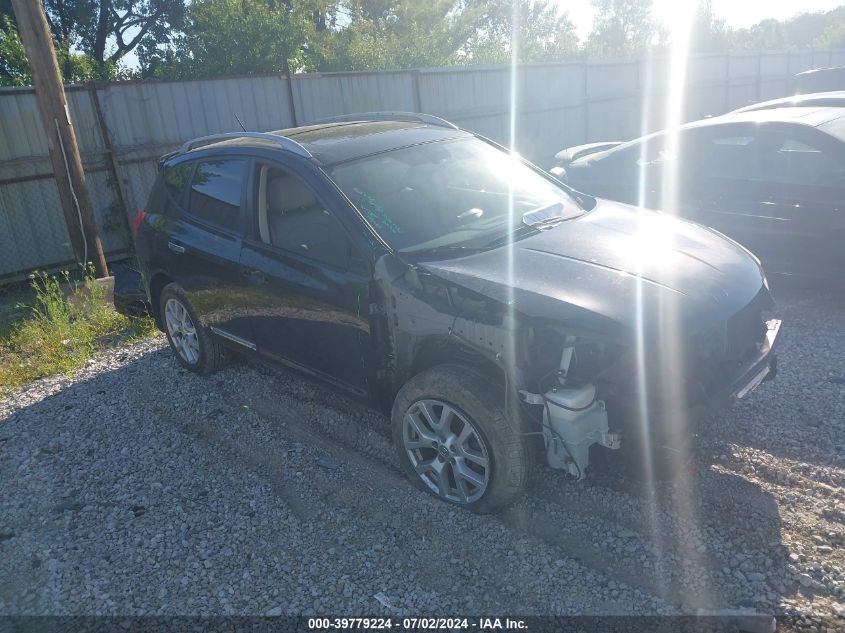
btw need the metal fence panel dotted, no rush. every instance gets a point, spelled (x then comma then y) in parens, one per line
(320, 96)
(555, 105)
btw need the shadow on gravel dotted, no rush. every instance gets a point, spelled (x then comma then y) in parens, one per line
(800, 416)
(703, 544)
(711, 543)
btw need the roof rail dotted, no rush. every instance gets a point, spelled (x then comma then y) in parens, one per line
(282, 141)
(387, 116)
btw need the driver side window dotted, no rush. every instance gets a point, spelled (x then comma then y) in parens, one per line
(292, 218)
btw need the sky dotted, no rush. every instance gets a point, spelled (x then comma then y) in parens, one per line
(737, 13)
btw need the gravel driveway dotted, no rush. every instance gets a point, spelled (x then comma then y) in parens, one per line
(139, 488)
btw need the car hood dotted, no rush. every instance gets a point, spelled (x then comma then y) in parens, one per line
(612, 268)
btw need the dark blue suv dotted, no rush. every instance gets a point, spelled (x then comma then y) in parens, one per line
(493, 312)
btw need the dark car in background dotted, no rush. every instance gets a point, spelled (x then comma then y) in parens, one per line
(819, 80)
(772, 179)
(492, 312)
(832, 99)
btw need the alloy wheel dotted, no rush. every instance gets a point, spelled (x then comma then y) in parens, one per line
(182, 331)
(446, 451)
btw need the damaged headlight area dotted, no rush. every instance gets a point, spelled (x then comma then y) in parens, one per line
(574, 418)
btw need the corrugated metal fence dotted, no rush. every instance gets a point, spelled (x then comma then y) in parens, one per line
(124, 127)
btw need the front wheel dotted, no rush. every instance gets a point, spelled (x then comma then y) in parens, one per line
(456, 442)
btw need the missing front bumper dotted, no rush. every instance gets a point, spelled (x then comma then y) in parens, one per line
(762, 368)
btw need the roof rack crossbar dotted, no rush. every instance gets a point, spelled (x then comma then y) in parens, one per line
(283, 141)
(387, 116)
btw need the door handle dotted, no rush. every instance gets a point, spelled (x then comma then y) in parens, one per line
(255, 276)
(176, 248)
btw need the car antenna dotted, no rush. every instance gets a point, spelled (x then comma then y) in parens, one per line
(241, 123)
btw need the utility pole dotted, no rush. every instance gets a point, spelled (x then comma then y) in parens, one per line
(61, 138)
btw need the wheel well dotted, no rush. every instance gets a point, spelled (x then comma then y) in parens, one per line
(157, 284)
(440, 354)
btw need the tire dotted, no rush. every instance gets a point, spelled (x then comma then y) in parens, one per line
(464, 397)
(207, 355)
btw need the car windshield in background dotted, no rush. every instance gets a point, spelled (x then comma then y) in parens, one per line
(460, 193)
(835, 128)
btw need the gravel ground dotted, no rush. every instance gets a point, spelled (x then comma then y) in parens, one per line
(139, 488)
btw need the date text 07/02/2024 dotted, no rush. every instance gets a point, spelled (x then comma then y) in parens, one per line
(417, 624)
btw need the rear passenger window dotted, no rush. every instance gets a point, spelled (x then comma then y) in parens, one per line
(176, 177)
(216, 192)
(169, 190)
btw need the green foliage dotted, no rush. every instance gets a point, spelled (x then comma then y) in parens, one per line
(708, 34)
(13, 67)
(91, 37)
(185, 39)
(75, 67)
(239, 37)
(108, 30)
(833, 36)
(541, 31)
(622, 28)
(66, 323)
(398, 34)
(802, 31)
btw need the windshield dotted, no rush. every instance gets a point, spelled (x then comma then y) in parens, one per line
(447, 194)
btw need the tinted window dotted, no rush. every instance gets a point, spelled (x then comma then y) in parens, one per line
(786, 160)
(727, 154)
(216, 192)
(291, 217)
(176, 177)
(175, 180)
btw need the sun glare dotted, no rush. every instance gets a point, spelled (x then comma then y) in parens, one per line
(650, 249)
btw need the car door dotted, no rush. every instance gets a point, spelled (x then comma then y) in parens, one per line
(200, 241)
(308, 289)
(805, 188)
(775, 190)
(723, 189)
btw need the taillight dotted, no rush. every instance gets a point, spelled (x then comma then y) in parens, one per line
(136, 222)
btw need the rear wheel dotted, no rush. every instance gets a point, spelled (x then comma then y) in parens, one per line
(456, 442)
(194, 346)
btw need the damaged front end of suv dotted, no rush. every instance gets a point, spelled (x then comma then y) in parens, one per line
(498, 316)
(612, 329)
(511, 314)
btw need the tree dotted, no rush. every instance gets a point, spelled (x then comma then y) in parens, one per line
(708, 34)
(224, 37)
(92, 37)
(621, 28)
(380, 34)
(14, 68)
(400, 34)
(801, 31)
(833, 36)
(108, 30)
(541, 30)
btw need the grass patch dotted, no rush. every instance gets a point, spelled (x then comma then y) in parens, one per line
(62, 325)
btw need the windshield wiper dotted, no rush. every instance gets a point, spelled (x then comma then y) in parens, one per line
(524, 229)
(457, 249)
